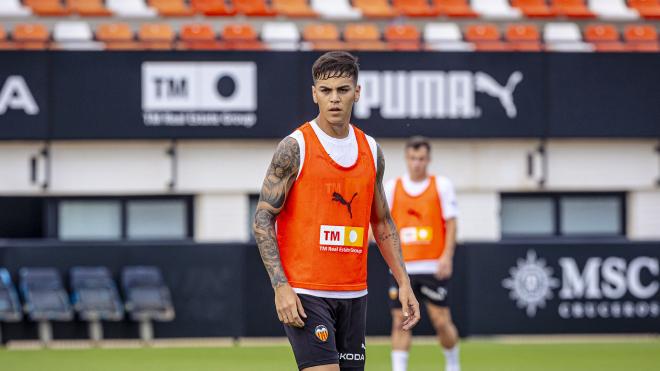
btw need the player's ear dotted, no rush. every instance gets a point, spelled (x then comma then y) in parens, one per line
(314, 94)
(357, 93)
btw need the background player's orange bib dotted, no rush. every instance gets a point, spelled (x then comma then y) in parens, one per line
(322, 230)
(420, 222)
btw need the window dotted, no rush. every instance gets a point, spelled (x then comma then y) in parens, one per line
(117, 218)
(563, 215)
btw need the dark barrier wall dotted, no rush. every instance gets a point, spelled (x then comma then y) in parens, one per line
(149, 95)
(223, 290)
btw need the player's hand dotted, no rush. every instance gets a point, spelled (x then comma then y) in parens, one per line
(410, 307)
(445, 268)
(289, 308)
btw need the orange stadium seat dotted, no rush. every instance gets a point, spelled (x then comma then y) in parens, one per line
(294, 8)
(172, 8)
(363, 36)
(241, 36)
(402, 37)
(89, 8)
(572, 8)
(643, 38)
(415, 8)
(322, 36)
(375, 8)
(605, 37)
(198, 36)
(213, 7)
(117, 36)
(523, 37)
(31, 36)
(486, 37)
(156, 35)
(254, 8)
(47, 7)
(534, 8)
(455, 8)
(647, 8)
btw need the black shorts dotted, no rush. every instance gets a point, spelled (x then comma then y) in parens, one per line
(426, 287)
(333, 334)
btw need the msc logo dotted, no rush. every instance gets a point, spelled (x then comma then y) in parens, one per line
(419, 235)
(432, 94)
(199, 86)
(15, 95)
(321, 333)
(334, 235)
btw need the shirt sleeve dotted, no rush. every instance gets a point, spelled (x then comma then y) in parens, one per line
(447, 198)
(388, 187)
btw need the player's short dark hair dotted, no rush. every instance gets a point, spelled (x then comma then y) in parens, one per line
(335, 64)
(417, 142)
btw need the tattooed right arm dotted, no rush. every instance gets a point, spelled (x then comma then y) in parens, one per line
(280, 177)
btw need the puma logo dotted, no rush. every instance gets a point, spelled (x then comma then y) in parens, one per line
(339, 198)
(414, 213)
(484, 83)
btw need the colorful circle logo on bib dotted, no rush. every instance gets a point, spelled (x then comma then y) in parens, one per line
(321, 333)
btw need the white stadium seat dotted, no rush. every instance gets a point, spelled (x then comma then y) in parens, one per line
(565, 37)
(445, 37)
(75, 35)
(336, 9)
(13, 8)
(613, 10)
(131, 8)
(281, 35)
(495, 9)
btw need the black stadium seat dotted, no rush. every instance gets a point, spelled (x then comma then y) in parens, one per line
(147, 297)
(95, 298)
(10, 307)
(45, 298)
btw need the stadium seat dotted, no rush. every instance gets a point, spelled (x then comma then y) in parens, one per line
(197, 36)
(254, 8)
(45, 299)
(47, 7)
(564, 37)
(95, 298)
(486, 37)
(322, 36)
(156, 35)
(445, 37)
(213, 8)
(241, 36)
(642, 38)
(402, 37)
(495, 9)
(14, 8)
(605, 37)
(74, 35)
(363, 36)
(10, 306)
(147, 297)
(612, 10)
(415, 8)
(131, 8)
(294, 8)
(335, 9)
(649, 9)
(572, 8)
(281, 35)
(523, 37)
(31, 36)
(534, 8)
(89, 8)
(375, 8)
(117, 36)
(455, 8)
(172, 8)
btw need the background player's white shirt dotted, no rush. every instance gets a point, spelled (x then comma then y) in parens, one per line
(449, 210)
(343, 151)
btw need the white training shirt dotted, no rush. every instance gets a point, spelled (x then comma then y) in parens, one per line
(344, 152)
(449, 210)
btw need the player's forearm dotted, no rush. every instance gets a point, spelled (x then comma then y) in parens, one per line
(389, 245)
(264, 233)
(450, 239)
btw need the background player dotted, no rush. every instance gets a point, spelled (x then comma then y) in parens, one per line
(324, 188)
(424, 209)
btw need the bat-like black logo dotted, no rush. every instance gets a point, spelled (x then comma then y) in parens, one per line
(414, 213)
(339, 198)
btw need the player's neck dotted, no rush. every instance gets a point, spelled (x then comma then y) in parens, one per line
(335, 131)
(418, 178)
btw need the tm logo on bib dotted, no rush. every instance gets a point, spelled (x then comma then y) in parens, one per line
(336, 238)
(416, 235)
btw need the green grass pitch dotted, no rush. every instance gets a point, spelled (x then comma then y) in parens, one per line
(641, 355)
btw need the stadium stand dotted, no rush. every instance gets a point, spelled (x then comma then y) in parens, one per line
(45, 299)
(534, 8)
(375, 8)
(565, 37)
(156, 36)
(496, 9)
(95, 298)
(280, 35)
(322, 36)
(445, 37)
(74, 35)
(117, 36)
(649, 9)
(335, 9)
(10, 307)
(363, 36)
(89, 8)
(147, 298)
(14, 8)
(241, 36)
(294, 8)
(455, 8)
(523, 37)
(404, 37)
(213, 8)
(131, 8)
